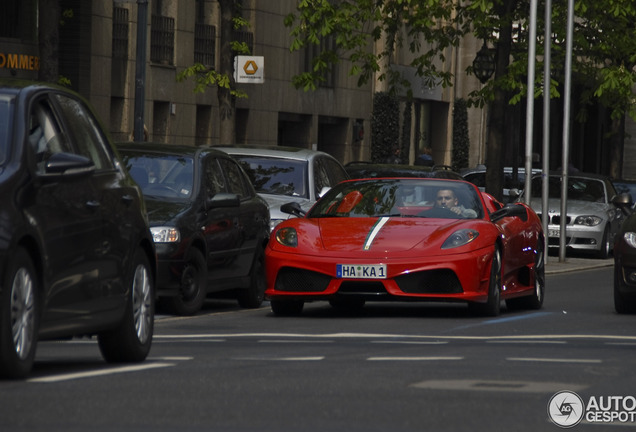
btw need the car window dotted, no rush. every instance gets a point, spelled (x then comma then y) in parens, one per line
(581, 189)
(214, 181)
(44, 135)
(6, 120)
(335, 171)
(85, 132)
(162, 176)
(278, 176)
(478, 179)
(236, 182)
(321, 178)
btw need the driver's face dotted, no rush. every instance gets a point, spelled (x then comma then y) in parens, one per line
(446, 198)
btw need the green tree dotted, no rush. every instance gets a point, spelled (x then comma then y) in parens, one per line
(461, 142)
(223, 79)
(428, 28)
(385, 127)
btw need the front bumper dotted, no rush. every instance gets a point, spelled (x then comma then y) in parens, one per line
(452, 277)
(579, 237)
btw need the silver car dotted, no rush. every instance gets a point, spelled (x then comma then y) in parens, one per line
(285, 174)
(592, 220)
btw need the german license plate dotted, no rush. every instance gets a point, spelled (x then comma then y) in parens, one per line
(553, 233)
(361, 271)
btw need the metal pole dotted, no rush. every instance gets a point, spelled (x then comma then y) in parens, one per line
(532, 49)
(140, 69)
(546, 123)
(566, 132)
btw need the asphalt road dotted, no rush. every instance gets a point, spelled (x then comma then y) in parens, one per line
(392, 367)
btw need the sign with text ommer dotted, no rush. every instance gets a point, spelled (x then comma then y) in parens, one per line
(249, 69)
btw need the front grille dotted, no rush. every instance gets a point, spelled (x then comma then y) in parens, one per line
(358, 287)
(298, 280)
(556, 219)
(442, 281)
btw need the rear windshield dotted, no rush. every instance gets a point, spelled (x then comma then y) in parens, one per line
(276, 176)
(6, 120)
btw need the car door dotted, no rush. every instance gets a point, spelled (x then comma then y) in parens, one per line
(114, 204)
(65, 210)
(221, 224)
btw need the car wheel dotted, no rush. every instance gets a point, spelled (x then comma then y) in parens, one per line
(535, 300)
(492, 307)
(253, 296)
(19, 317)
(193, 289)
(130, 341)
(287, 307)
(604, 252)
(623, 303)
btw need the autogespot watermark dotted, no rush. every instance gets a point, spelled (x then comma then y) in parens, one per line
(567, 409)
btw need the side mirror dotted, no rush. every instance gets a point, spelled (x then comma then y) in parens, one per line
(510, 210)
(624, 202)
(67, 165)
(221, 200)
(514, 193)
(292, 208)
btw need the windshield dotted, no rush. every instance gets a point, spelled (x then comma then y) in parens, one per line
(581, 189)
(6, 120)
(162, 176)
(276, 176)
(400, 198)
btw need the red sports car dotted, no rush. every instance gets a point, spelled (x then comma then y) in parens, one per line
(407, 239)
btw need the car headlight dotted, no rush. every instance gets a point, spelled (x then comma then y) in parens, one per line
(273, 223)
(287, 237)
(588, 220)
(460, 238)
(162, 234)
(630, 238)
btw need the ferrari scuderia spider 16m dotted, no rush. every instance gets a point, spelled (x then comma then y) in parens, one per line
(407, 239)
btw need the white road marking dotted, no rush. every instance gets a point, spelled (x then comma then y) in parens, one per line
(553, 360)
(413, 358)
(313, 358)
(498, 386)
(100, 372)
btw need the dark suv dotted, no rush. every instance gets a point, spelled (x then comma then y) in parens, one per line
(210, 227)
(76, 254)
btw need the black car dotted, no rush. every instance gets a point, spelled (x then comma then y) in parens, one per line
(359, 170)
(625, 258)
(210, 227)
(76, 253)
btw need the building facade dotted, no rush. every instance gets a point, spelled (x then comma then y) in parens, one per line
(98, 51)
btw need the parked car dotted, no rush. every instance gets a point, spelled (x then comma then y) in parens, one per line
(407, 239)
(512, 188)
(209, 225)
(359, 170)
(76, 256)
(284, 174)
(593, 220)
(625, 258)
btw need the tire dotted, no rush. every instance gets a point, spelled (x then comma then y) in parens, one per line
(194, 281)
(254, 295)
(19, 317)
(606, 247)
(492, 307)
(130, 341)
(623, 303)
(287, 307)
(535, 300)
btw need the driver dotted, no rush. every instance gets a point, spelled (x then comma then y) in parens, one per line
(446, 198)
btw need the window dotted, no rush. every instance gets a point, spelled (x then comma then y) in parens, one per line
(45, 136)
(85, 132)
(162, 40)
(235, 179)
(214, 181)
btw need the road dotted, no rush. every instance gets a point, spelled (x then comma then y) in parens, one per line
(392, 367)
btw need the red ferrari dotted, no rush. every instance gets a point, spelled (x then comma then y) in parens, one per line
(407, 239)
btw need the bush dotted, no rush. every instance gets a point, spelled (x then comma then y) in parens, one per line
(385, 127)
(461, 142)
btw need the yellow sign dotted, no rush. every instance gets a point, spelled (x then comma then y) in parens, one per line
(250, 67)
(19, 61)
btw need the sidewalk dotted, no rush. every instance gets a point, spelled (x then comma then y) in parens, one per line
(553, 266)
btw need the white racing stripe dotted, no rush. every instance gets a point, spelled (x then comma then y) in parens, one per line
(374, 232)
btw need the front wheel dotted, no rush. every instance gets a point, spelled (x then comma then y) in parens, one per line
(130, 341)
(535, 300)
(19, 317)
(492, 307)
(604, 251)
(623, 303)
